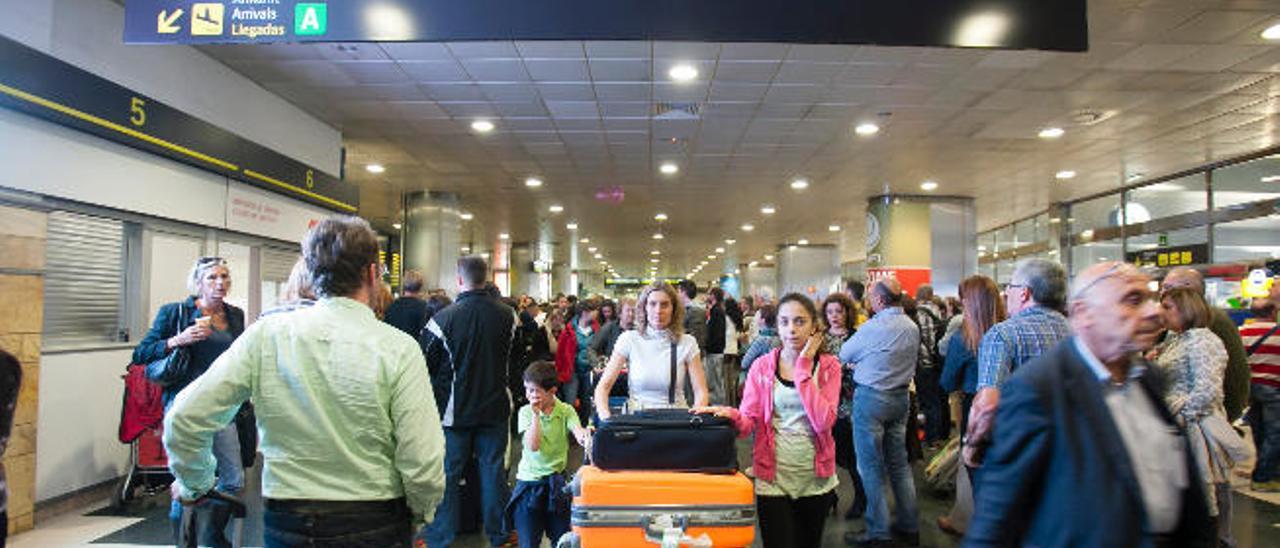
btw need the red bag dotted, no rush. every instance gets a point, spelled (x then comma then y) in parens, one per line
(143, 405)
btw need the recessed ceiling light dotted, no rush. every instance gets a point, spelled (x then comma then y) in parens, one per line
(395, 226)
(1052, 133)
(748, 227)
(655, 252)
(768, 210)
(465, 250)
(585, 241)
(712, 257)
(592, 249)
(660, 217)
(669, 168)
(482, 126)
(1272, 32)
(833, 228)
(604, 263)
(1271, 179)
(375, 168)
(504, 236)
(1065, 174)
(803, 242)
(599, 255)
(791, 248)
(799, 184)
(571, 226)
(533, 182)
(928, 185)
(556, 208)
(657, 235)
(753, 263)
(719, 250)
(653, 260)
(730, 241)
(866, 129)
(768, 257)
(683, 73)
(466, 216)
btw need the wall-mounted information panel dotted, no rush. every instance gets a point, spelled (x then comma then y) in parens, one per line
(41, 85)
(1014, 24)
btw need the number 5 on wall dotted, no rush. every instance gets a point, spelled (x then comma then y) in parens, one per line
(137, 115)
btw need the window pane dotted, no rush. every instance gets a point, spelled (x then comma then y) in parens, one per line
(1247, 182)
(1096, 213)
(1166, 199)
(1025, 232)
(1004, 239)
(1251, 240)
(1084, 255)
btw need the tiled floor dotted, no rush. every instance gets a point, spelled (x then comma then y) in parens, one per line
(1256, 523)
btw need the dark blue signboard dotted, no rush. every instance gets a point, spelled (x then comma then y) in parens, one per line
(1013, 24)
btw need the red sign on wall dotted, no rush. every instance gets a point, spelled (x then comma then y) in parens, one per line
(910, 278)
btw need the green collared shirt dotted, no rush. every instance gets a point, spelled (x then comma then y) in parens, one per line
(344, 407)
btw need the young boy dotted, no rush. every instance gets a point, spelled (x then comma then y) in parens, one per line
(538, 504)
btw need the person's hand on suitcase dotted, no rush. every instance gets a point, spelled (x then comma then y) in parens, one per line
(717, 410)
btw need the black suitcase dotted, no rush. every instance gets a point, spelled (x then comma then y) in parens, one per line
(666, 439)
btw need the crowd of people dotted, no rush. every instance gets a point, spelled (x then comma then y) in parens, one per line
(1096, 412)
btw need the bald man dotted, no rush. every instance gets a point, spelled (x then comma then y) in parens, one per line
(1235, 383)
(1084, 451)
(883, 352)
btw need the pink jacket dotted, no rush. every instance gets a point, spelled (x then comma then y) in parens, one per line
(820, 403)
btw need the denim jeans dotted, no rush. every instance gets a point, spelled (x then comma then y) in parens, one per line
(488, 444)
(879, 428)
(713, 366)
(539, 512)
(1264, 419)
(230, 473)
(337, 524)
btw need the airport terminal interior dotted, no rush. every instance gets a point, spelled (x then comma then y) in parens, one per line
(591, 149)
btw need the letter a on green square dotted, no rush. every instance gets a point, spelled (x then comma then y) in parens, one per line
(310, 19)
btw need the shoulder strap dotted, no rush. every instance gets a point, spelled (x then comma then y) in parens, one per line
(1253, 348)
(671, 388)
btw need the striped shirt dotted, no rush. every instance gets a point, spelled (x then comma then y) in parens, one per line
(1264, 365)
(1018, 340)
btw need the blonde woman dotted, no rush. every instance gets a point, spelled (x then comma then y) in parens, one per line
(646, 352)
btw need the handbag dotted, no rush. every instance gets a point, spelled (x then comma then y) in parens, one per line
(175, 367)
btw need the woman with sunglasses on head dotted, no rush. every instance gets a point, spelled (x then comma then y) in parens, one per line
(789, 402)
(203, 325)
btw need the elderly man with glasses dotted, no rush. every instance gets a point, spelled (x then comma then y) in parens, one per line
(1085, 453)
(1034, 300)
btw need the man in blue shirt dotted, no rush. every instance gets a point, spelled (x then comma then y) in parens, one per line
(883, 352)
(1034, 298)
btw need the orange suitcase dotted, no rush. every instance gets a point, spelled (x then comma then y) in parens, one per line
(627, 509)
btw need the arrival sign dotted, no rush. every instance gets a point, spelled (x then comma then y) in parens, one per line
(1012, 24)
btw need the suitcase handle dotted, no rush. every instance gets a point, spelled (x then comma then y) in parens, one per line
(673, 535)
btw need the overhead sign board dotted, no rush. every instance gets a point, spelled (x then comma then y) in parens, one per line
(43, 86)
(1170, 256)
(1058, 25)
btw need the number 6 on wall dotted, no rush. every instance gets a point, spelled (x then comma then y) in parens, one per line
(137, 115)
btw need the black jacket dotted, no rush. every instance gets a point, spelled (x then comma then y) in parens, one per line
(170, 320)
(408, 314)
(1058, 473)
(468, 350)
(715, 330)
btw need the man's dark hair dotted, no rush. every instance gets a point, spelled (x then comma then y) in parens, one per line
(473, 270)
(924, 293)
(542, 373)
(338, 252)
(769, 315)
(689, 288)
(718, 293)
(857, 289)
(890, 297)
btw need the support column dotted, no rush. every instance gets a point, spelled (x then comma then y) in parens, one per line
(432, 236)
(922, 240)
(22, 255)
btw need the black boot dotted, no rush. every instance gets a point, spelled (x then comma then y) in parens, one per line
(215, 530)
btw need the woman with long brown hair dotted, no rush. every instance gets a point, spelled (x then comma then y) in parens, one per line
(982, 307)
(839, 318)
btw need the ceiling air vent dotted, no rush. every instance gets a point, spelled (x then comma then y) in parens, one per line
(676, 111)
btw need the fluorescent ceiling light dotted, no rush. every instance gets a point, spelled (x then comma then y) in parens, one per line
(657, 235)
(504, 236)
(799, 184)
(556, 208)
(571, 226)
(867, 129)
(1052, 133)
(669, 168)
(375, 168)
(1065, 174)
(833, 228)
(928, 185)
(592, 249)
(768, 257)
(768, 210)
(803, 242)
(683, 73)
(730, 241)
(748, 227)
(655, 252)
(395, 226)
(660, 217)
(1272, 32)
(533, 182)
(482, 126)
(466, 216)
(719, 250)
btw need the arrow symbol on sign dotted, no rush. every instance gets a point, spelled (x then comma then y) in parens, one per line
(165, 25)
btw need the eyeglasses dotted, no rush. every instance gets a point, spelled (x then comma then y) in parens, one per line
(207, 261)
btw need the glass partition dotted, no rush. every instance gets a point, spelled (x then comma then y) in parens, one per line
(1247, 182)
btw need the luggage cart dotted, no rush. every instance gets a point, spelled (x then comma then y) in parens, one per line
(148, 467)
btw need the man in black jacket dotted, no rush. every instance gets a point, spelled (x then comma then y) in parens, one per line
(1085, 452)
(467, 347)
(409, 312)
(713, 358)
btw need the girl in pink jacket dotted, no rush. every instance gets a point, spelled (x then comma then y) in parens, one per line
(789, 402)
